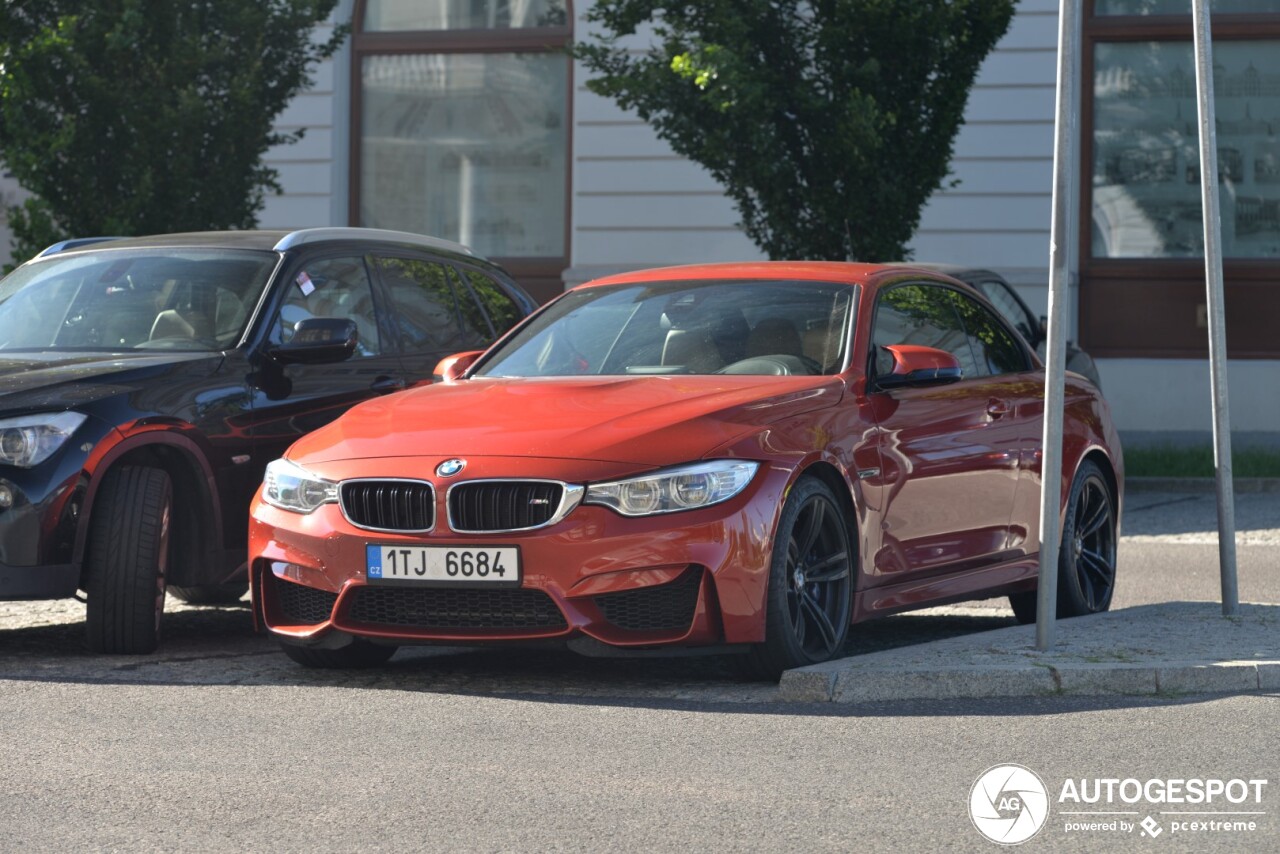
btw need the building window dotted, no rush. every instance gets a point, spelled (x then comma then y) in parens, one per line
(1142, 252)
(1146, 161)
(461, 127)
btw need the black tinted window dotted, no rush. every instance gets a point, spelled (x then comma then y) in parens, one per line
(331, 287)
(477, 331)
(425, 306)
(1008, 305)
(995, 349)
(923, 315)
(501, 308)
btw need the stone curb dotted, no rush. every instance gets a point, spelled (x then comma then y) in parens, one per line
(854, 684)
(1199, 484)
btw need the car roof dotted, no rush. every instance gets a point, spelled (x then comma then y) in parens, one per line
(957, 271)
(853, 273)
(278, 240)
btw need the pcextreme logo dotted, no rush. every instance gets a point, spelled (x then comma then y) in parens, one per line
(1009, 804)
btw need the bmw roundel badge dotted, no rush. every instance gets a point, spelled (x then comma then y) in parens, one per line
(449, 468)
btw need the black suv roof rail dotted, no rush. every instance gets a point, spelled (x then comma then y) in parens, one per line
(304, 236)
(73, 243)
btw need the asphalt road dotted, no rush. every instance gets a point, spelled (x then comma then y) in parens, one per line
(220, 743)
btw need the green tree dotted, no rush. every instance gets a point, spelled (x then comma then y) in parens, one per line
(829, 122)
(147, 116)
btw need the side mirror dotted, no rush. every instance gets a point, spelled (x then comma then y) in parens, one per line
(451, 368)
(319, 340)
(915, 366)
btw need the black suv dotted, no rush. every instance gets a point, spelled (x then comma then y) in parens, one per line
(145, 383)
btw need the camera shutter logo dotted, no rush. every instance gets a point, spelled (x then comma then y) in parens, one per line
(1008, 804)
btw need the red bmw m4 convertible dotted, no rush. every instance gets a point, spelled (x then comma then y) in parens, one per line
(750, 455)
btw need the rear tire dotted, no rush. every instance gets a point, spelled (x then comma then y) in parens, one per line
(359, 654)
(809, 600)
(211, 594)
(127, 560)
(1087, 553)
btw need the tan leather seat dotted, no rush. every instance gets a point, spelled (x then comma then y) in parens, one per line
(692, 348)
(774, 336)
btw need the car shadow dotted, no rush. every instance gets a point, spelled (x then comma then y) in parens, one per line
(217, 646)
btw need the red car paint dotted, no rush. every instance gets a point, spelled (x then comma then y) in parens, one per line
(943, 481)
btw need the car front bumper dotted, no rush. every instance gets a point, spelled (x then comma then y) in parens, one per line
(691, 578)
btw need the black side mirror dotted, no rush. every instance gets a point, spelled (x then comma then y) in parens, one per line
(319, 340)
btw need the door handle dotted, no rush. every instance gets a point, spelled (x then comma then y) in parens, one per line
(997, 408)
(386, 385)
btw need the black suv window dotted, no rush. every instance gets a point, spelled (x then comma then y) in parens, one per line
(426, 309)
(924, 315)
(502, 309)
(132, 299)
(331, 287)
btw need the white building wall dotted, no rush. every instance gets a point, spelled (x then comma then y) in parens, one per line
(313, 171)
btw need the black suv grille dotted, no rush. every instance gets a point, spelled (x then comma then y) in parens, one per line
(304, 605)
(503, 505)
(390, 505)
(664, 607)
(455, 608)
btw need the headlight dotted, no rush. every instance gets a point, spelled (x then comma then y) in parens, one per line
(32, 439)
(682, 488)
(291, 487)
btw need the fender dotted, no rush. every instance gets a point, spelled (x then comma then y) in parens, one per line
(144, 433)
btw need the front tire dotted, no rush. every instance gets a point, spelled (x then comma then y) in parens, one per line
(127, 560)
(357, 655)
(810, 595)
(1087, 553)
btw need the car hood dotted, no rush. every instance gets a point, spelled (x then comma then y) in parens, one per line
(51, 380)
(650, 421)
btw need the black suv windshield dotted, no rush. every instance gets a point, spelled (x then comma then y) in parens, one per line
(133, 299)
(715, 327)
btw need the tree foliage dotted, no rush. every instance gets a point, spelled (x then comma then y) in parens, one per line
(147, 116)
(829, 122)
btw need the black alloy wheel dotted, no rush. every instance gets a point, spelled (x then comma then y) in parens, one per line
(810, 596)
(1087, 561)
(1087, 555)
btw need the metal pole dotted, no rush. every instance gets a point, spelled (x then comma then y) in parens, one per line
(1066, 127)
(1216, 308)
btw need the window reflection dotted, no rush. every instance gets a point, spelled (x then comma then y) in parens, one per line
(1183, 7)
(1146, 168)
(381, 15)
(468, 147)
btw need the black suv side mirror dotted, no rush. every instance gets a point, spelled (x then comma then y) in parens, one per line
(318, 341)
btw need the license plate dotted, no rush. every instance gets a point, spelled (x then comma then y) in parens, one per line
(477, 565)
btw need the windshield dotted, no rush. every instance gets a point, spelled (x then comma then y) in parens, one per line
(752, 327)
(133, 299)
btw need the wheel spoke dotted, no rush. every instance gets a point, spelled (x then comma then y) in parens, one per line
(1098, 565)
(1094, 521)
(829, 569)
(820, 620)
(813, 527)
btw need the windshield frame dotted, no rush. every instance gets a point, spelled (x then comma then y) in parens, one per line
(848, 333)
